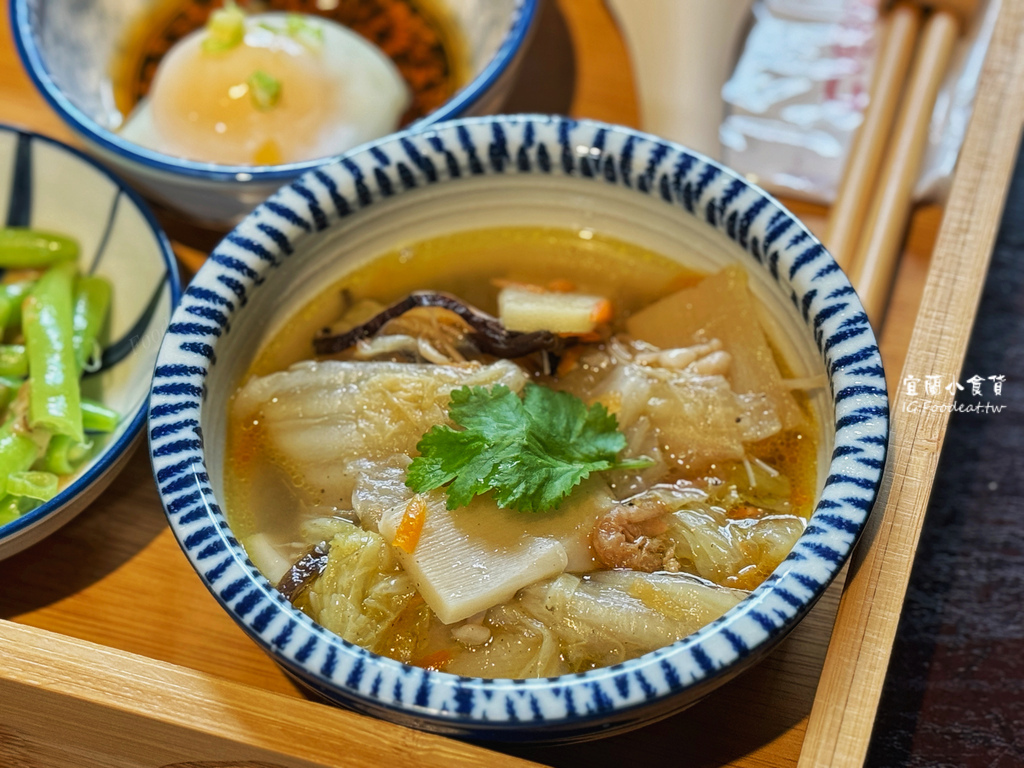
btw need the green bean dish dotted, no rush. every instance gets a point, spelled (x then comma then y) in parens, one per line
(52, 318)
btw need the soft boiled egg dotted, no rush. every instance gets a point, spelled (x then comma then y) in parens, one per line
(268, 89)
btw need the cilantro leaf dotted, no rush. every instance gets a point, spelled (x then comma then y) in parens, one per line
(467, 458)
(530, 452)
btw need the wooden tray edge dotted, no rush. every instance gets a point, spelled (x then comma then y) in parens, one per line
(843, 715)
(117, 708)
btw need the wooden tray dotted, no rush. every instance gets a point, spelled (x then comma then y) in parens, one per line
(114, 654)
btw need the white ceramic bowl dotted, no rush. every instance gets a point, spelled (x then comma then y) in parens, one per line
(47, 185)
(67, 46)
(505, 171)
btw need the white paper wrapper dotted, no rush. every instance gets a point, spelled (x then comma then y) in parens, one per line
(800, 88)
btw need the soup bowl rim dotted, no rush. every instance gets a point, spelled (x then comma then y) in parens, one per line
(107, 140)
(858, 395)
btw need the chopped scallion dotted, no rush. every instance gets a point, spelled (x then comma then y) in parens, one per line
(304, 29)
(265, 90)
(225, 29)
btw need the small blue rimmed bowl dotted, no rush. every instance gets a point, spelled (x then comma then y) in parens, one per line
(507, 171)
(47, 185)
(68, 47)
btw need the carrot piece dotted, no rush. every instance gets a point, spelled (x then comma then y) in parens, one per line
(437, 660)
(602, 312)
(570, 360)
(561, 285)
(407, 535)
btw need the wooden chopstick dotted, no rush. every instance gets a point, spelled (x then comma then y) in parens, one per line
(846, 218)
(877, 253)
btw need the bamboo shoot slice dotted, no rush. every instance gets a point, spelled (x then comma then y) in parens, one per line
(470, 559)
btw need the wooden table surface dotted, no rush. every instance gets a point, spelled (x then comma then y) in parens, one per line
(116, 577)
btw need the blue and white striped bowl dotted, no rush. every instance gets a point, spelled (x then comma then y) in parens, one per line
(47, 185)
(493, 172)
(69, 46)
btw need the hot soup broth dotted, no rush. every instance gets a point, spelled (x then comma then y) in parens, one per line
(684, 504)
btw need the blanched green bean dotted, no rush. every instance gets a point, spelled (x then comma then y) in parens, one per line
(12, 507)
(9, 511)
(96, 417)
(34, 485)
(64, 454)
(13, 360)
(16, 293)
(6, 308)
(8, 389)
(17, 453)
(56, 321)
(92, 302)
(54, 396)
(32, 249)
